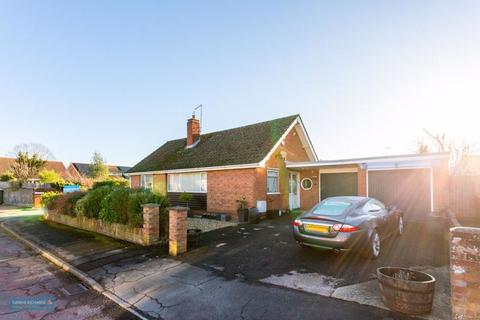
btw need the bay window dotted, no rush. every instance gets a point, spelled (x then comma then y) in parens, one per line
(188, 182)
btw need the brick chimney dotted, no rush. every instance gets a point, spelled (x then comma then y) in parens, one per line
(193, 131)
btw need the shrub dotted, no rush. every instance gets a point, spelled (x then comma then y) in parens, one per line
(123, 205)
(65, 204)
(47, 198)
(7, 176)
(139, 197)
(49, 176)
(111, 182)
(90, 205)
(115, 206)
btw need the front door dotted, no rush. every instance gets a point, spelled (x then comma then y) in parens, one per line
(294, 195)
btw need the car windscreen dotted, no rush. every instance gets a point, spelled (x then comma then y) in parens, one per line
(331, 207)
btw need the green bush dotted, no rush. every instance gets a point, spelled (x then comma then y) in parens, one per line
(47, 198)
(90, 205)
(65, 203)
(123, 205)
(110, 204)
(7, 176)
(115, 206)
(111, 182)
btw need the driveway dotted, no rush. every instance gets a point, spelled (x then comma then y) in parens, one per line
(256, 252)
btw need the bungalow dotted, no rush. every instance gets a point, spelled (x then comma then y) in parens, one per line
(219, 168)
(273, 165)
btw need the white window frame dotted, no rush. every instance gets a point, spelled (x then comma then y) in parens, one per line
(143, 181)
(277, 172)
(203, 182)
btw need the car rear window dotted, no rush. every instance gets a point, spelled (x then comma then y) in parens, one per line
(331, 208)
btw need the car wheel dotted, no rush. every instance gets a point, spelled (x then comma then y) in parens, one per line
(374, 246)
(400, 226)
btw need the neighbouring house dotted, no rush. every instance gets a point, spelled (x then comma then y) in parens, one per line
(82, 170)
(219, 168)
(57, 166)
(417, 183)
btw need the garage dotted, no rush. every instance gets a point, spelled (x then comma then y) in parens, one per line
(409, 189)
(338, 184)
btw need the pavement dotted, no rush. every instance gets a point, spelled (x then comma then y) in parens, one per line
(244, 272)
(25, 276)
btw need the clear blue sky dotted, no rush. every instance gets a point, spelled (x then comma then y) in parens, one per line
(122, 77)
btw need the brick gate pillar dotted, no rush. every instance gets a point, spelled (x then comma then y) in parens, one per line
(151, 223)
(465, 272)
(177, 238)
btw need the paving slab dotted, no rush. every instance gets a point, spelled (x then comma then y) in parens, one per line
(368, 293)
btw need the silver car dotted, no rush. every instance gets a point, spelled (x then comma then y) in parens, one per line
(346, 223)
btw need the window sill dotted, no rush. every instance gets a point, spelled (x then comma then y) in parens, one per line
(272, 193)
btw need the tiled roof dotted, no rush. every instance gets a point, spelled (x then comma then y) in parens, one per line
(243, 145)
(57, 166)
(84, 169)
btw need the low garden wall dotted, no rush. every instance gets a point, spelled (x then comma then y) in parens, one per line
(18, 197)
(148, 235)
(465, 272)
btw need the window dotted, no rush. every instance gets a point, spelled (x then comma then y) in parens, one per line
(272, 181)
(306, 183)
(188, 182)
(146, 181)
(331, 207)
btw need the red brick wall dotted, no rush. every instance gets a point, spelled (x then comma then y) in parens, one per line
(135, 182)
(309, 198)
(465, 272)
(292, 150)
(224, 187)
(362, 182)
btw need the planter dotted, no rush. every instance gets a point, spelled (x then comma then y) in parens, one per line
(406, 290)
(242, 215)
(272, 214)
(193, 238)
(254, 215)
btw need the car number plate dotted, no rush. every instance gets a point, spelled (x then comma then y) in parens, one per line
(317, 228)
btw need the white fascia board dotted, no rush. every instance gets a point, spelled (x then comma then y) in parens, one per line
(387, 159)
(310, 144)
(188, 170)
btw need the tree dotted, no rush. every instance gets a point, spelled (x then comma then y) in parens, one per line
(439, 143)
(49, 176)
(98, 168)
(38, 149)
(26, 167)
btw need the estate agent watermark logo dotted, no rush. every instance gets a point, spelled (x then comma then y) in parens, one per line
(40, 303)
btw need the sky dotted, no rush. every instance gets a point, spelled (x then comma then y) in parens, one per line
(122, 77)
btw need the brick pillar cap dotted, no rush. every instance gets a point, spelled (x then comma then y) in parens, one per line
(470, 230)
(178, 208)
(150, 205)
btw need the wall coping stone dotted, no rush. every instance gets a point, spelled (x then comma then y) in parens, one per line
(150, 205)
(178, 208)
(469, 230)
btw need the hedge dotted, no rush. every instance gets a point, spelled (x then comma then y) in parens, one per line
(115, 204)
